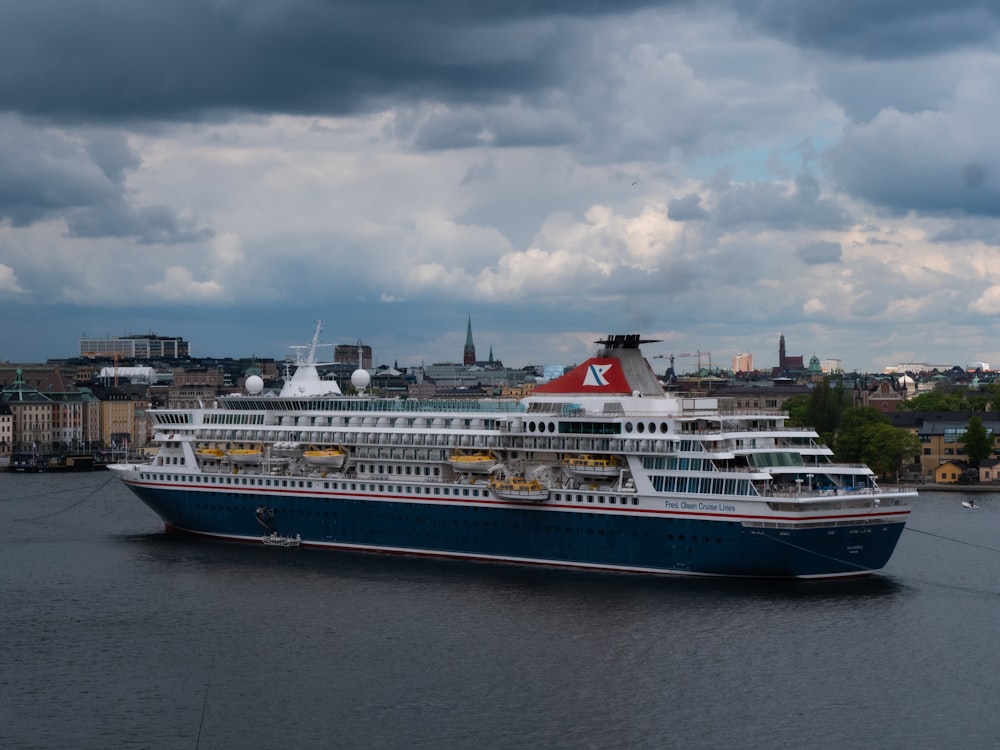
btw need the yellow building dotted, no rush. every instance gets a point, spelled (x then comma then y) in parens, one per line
(949, 472)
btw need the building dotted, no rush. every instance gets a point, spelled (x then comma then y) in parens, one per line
(788, 365)
(950, 472)
(914, 367)
(135, 347)
(989, 470)
(884, 394)
(940, 434)
(123, 416)
(31, 412)
(6, 434)
(742, 362)
(469, 353)
(762, 397)
(355, 355)
(44, 378)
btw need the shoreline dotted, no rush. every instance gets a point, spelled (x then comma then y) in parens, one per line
(978, 488)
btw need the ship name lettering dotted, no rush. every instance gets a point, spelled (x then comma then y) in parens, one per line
(685, 505)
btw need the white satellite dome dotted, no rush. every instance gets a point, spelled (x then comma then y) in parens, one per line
(254, 384)
(360, 379)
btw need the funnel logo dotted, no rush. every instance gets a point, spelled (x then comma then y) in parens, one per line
(595, 375)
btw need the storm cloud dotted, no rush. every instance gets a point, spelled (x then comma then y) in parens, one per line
(559, 169)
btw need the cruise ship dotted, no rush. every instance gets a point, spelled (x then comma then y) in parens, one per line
(599, 469)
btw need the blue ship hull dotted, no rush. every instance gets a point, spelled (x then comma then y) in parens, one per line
(588, 537)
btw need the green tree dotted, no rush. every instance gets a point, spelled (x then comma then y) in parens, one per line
(935, 401)
(851, 439)
(977, 441)
(887, 448)
(798, 411)
(822, 409)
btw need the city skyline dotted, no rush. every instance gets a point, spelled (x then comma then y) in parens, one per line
(342, 351)
(710, 175)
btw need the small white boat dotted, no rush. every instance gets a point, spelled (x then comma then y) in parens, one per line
(969, 504)
(518, 488)
(330, 458)
(245, 456)
(587, 466)
(477, 463)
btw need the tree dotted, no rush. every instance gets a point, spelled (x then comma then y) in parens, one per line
(798, 411)
(886, 448)
(977, 441)
(935, 401)
(851, 439)
(822, 409)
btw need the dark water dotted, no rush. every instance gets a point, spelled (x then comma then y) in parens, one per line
(116, 635)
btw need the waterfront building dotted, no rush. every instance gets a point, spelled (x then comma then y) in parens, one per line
(6, 434)
(940, 434)
(31, 429)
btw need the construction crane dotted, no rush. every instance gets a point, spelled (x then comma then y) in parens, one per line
(688, 355)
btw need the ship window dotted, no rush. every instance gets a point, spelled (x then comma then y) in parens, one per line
(628, 427)
(640, 427)
(664, 427)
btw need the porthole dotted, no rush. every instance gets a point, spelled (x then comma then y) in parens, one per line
(628, 427)
(640, 427)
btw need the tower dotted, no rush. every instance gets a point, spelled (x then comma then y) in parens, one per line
(781, 351)
(469, 355)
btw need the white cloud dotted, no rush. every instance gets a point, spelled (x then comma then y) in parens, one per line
(9, 283)
(179, 285)
(988, 303)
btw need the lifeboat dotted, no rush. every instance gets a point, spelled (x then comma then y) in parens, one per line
(518, 488)
(476, 463)
(588, 466)
(210, 453)
(330, 458)
(245, 456)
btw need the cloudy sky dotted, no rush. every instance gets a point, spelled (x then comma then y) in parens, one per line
(710, 173)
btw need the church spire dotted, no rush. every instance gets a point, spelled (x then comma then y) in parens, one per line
(469, 355)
